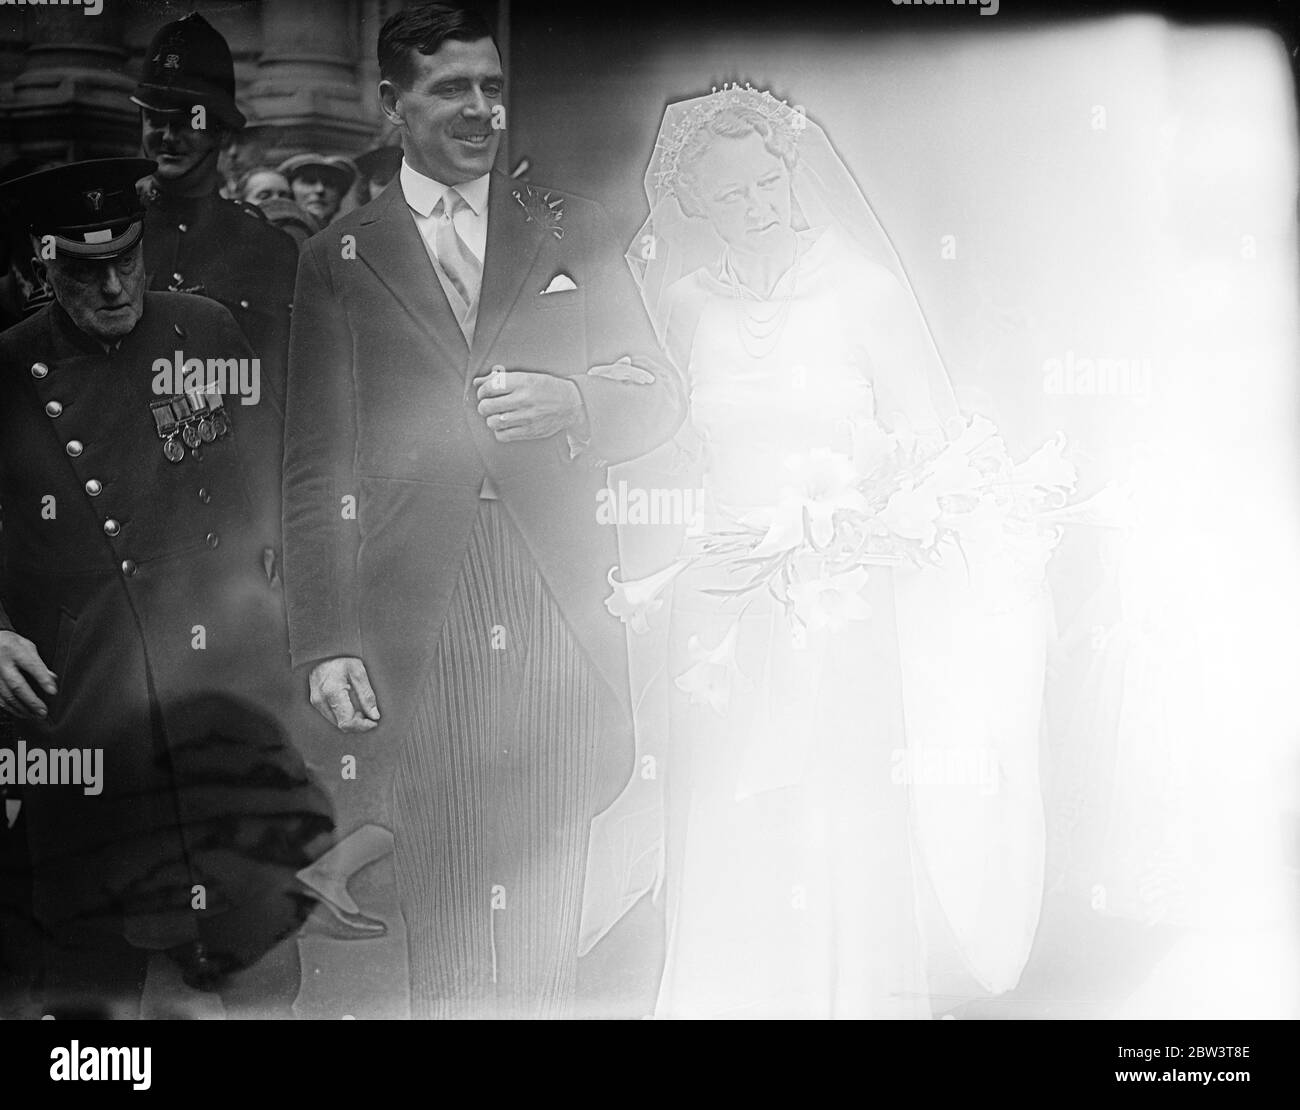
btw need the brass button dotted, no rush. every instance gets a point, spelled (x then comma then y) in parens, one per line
(39, 369)
(204, 494)
(183, 227)
(213, 539)
(178, 330)
(111, 527)
(177, 278)
(74, 447)
(129, 567)
(243, 304)
(94, 487)
(53, 408)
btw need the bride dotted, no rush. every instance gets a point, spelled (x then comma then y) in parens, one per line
(790, 856)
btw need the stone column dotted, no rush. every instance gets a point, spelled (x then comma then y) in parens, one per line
(304, 95)
(71, 99)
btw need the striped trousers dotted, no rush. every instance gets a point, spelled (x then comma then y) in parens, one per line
(494, 794)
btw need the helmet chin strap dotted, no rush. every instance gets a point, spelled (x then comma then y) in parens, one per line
(198, 181)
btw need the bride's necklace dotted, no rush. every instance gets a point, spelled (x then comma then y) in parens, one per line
(759, 332)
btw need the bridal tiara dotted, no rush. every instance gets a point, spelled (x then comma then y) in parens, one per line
(777, 112)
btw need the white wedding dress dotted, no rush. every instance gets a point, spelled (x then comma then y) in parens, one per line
(786, 806)
(789, 864)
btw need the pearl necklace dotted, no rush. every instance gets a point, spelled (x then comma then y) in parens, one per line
(765, 330)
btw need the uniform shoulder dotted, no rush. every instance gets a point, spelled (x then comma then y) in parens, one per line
(186, 309)
(250, 210)
(249, 224)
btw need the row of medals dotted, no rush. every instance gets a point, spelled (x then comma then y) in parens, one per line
(188, 420)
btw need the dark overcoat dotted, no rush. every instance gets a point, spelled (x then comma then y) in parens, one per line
(146, 586)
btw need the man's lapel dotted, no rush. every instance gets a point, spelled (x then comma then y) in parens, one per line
(391, 246)
(512, 244)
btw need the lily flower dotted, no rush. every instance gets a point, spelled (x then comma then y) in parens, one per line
(822, 483)
(634, 601)
(1046, 468)
(911, 513)
(830, 601)
(713, 672)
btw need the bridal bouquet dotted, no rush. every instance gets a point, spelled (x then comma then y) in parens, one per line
(899, 499)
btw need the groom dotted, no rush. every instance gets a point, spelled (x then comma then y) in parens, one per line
(468, 355)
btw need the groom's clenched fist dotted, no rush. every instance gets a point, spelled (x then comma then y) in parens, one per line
(341, 693)
(523, 404)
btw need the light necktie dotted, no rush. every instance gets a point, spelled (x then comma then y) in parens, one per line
(463, 271)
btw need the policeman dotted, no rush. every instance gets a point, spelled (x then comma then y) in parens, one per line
(196, 241)
(139, 621)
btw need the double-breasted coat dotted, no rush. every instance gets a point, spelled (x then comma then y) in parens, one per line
(146, 586)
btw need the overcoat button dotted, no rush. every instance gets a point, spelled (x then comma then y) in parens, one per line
(53, 408)
(94, 487)
(128, 567)
(213, 539)
(204, 494)
(74, 447)
(183, 227)
(39, 369)
(111, 527)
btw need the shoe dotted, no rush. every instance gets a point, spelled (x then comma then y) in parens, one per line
(329, 919)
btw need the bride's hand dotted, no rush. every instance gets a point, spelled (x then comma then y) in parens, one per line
(523, 404)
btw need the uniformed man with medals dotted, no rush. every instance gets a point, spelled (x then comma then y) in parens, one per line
(142, 642)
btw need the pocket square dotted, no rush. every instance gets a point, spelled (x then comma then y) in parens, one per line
(560, 283)
(622, 371)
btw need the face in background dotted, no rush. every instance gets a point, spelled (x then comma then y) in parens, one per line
(377, 185)
(317, 193)
(743, 190)
(104, 298)
(266, 185)
(446, 115)
(184, 153)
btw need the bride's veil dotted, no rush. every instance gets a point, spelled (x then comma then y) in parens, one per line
(672, 244)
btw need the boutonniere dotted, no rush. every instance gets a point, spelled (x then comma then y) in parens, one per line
(543, 208)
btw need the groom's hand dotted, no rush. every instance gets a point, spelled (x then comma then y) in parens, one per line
(523, 404)
(341, 693)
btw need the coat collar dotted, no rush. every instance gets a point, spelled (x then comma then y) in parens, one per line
(512, 245)
(392, 248)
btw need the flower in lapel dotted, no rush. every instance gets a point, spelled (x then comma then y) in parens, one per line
(542, 207)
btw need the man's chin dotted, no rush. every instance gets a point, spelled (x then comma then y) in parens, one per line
(112, 326)
(475, 163)
(168, 173)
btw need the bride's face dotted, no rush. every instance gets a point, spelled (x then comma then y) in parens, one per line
(744, 190)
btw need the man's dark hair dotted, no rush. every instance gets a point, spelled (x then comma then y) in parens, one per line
(424, 29)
